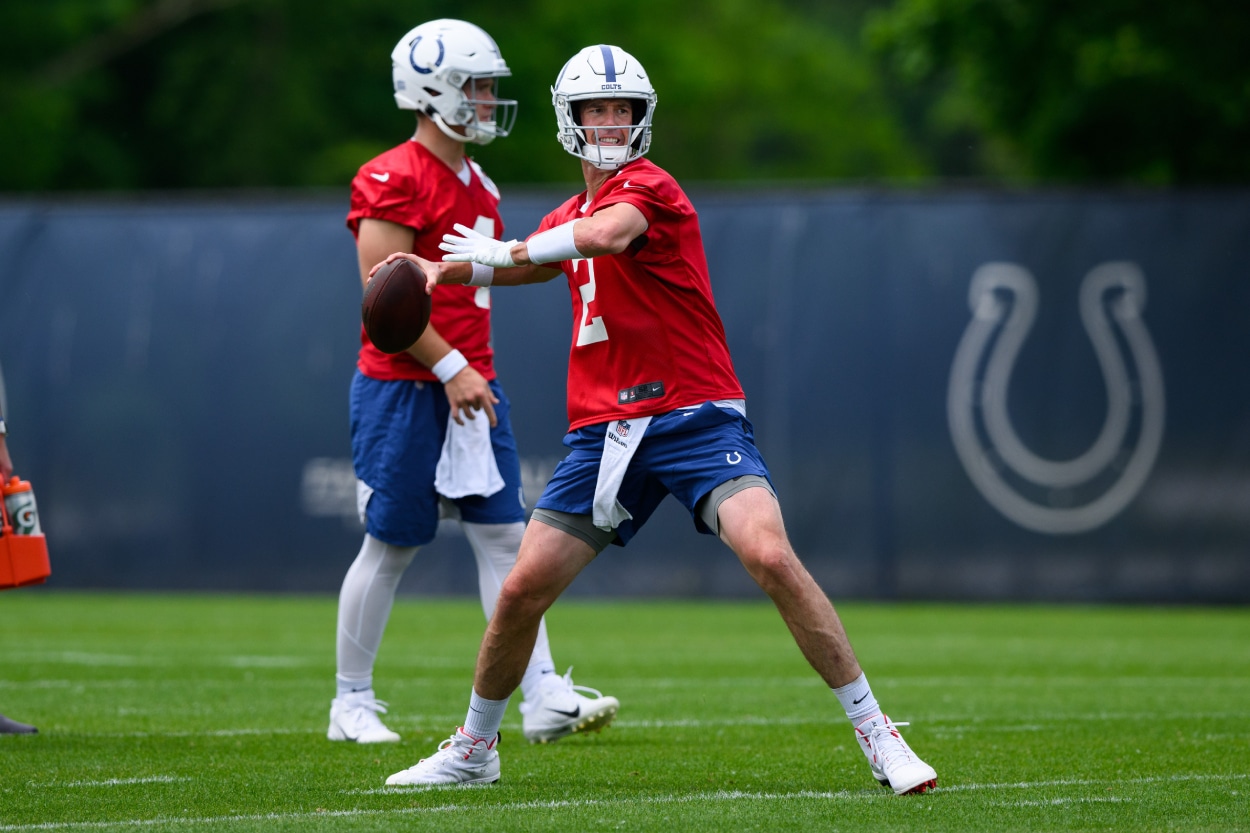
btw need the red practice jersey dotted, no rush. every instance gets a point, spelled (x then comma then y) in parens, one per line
(646, 335)
(411, 186)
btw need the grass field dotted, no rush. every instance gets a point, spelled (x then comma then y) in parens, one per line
(172, 712)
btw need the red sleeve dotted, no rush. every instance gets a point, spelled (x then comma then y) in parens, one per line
(645, 187)
(384, 189)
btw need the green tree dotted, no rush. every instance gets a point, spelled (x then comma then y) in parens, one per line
(1062, 90)
(143, 94)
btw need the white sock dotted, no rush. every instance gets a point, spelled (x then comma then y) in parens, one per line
(495, 547)
(347, 688)
(484, 716)
(365, 602)
(856, 698)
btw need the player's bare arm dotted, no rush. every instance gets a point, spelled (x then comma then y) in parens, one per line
(608, 231)
(468, 390)
(448, 272)
(375, 239)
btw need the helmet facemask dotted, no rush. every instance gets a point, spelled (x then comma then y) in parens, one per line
(462, 111)
(610, 157)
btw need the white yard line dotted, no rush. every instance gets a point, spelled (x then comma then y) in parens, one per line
(933, 725)
(712, 797)
(1092, 782)
(1058, 802)
(113, 782)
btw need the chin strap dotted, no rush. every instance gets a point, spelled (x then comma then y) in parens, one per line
(445, 127)
(595, 155)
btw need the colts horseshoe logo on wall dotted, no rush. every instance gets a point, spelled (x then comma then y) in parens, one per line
(1056, 496)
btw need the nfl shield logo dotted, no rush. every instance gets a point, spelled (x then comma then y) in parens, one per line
(622, 428)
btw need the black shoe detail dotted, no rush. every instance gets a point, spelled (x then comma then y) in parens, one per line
(9, 726)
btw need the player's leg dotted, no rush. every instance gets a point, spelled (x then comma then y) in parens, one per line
(395, 446)
(548, 561)
(495, 548)
(560, 707)
(552, 705)
(365, 602)
(494, 525)
(750, 522)
(710, 463)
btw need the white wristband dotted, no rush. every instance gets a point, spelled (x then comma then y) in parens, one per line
(449, 365)
(554, 245)
(482, 275)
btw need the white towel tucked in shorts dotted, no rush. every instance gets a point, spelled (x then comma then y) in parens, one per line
(619, 444)
(467, 465)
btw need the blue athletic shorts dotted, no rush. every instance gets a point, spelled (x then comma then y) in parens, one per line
(397, 437)
(685, 453)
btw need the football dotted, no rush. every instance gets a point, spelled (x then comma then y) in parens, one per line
(396, 307)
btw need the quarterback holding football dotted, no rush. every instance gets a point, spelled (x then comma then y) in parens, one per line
(655, 408)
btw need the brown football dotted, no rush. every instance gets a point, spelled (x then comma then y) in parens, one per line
(396, 307)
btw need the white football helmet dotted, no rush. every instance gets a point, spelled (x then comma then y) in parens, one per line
(431, 66)
(603, 72)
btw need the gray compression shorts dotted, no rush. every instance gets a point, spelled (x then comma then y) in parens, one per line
(581, 526)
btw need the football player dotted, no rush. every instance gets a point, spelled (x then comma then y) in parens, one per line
(655, 408)
(430, 426)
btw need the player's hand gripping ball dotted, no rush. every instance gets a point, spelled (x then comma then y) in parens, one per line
(396, 307)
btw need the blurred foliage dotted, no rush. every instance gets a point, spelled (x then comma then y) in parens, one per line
(158, 94)
(139, 94)
(1065, 90)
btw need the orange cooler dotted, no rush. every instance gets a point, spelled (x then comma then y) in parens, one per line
(23, 547)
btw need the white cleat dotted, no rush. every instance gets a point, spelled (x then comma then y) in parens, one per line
(355, 718)
(560, 709)
(892, 761)
(461, 759)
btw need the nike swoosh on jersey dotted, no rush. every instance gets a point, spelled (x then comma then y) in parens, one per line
(627, 185)
(381, 177)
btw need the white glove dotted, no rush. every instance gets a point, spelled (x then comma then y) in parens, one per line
(474, 247)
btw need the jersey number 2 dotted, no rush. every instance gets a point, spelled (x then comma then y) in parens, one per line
(591, 330)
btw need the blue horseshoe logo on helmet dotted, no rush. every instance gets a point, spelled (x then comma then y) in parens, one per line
(412, 56)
